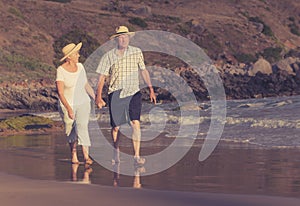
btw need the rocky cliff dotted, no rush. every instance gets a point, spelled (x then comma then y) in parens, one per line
(30, 95)
(258, 81)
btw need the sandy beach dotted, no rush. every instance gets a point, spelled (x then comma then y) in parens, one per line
(15, 191)
(36, 175)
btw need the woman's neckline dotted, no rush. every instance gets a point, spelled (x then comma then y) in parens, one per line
(70, 69)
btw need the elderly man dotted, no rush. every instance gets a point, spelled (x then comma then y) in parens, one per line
(122, 64)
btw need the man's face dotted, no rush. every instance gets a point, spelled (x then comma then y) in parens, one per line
(123, 41)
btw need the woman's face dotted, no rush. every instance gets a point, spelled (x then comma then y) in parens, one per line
(123, 41)
(74, 57)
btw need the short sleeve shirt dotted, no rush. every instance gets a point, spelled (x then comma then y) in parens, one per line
(74, 85)
(123, 71)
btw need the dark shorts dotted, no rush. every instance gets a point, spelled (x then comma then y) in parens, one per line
(124, 110)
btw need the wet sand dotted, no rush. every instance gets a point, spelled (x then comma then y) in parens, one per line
(15, 191)
(35, 170)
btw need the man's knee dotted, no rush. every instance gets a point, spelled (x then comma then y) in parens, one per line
(135, 124)
(115, 129)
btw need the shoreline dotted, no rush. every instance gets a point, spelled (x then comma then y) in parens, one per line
(231, 169)
(15, 190)
(21, 183)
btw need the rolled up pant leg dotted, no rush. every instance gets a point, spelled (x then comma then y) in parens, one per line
(82, 115)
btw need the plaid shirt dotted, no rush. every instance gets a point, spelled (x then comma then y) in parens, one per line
(123, 71)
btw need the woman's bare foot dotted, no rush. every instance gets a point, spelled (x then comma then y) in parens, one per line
(88, 161)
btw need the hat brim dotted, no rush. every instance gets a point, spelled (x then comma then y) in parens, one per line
(76, 48)
(116, 35)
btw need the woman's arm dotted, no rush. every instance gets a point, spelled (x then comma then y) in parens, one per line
(90, 90)
(61, 96)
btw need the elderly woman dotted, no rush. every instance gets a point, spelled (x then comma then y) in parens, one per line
(74, 94)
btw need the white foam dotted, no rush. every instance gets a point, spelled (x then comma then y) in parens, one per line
(265, 123)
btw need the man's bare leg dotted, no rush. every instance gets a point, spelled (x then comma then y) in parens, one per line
(136, 140)
(136, 137)
(115, 138)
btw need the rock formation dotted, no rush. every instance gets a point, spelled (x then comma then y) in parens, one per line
(257, 81)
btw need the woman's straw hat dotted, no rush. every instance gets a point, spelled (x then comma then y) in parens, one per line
(121, 30)
(70, 49)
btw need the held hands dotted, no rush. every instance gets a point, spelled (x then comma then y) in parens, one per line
(100, 103)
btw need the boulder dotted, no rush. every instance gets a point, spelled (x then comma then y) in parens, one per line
(261, 65)
(285, 65)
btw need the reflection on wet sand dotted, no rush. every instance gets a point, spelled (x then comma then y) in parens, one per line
(136, 183)
(86, 174)
(29, 156)
(232, 168)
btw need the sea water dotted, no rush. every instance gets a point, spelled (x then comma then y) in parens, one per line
(267, 122)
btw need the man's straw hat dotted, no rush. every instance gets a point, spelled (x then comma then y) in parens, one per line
(121, 30)
(70, 49)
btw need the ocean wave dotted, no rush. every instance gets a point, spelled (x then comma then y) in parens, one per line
(265, 123)
(266, 104)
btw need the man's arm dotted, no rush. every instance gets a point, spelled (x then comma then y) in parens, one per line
(99, 101)
(146, 77)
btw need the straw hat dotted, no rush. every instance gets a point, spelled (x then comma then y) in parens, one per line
(121, 30)
(70, 49)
